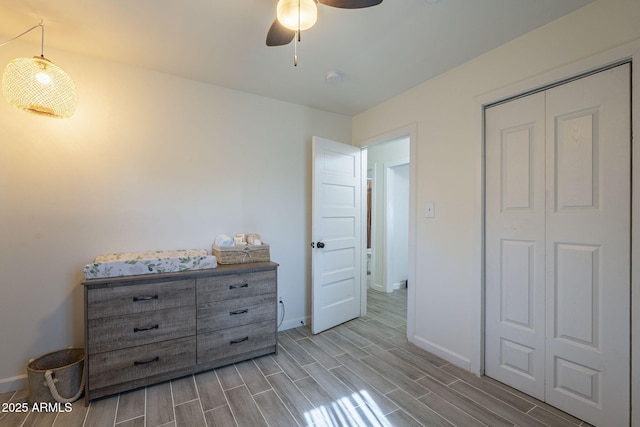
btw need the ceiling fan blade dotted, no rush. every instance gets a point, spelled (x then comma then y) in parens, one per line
(350, 4)
(279, 35)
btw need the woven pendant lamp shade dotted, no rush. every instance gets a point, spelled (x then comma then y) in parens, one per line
(38, 86)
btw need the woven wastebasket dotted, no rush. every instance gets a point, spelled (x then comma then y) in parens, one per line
(57, 376)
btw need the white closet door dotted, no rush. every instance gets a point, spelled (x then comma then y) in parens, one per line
(589, 247)
(515, 233)
(558, 242)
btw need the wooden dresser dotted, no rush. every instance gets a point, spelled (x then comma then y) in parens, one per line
(140, 330)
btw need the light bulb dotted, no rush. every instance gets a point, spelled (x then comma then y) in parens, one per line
(297, 14)
(43, 78)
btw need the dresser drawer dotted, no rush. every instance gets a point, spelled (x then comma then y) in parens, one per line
(234, 341)
(112, 333)
(130, 364)
(235, 286)
(121, 300)
(217, 315)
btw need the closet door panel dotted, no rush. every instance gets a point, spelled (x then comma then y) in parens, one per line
(515, 244)
(588, 244)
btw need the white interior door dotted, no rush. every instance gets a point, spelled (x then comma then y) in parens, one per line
(589, 247)
(336, 233)
(558, 246)
(515, 244)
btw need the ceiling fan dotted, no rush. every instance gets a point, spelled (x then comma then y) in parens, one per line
(294, 16)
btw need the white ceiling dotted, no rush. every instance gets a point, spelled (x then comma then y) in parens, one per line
(381, 51)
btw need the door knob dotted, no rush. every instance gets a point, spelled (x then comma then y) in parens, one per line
(320, 245)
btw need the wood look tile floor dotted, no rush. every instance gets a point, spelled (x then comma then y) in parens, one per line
(361, 373)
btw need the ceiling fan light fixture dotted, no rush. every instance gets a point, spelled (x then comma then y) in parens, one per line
(297, 14)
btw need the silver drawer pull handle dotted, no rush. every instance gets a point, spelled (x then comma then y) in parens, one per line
(232, 342)
(156, 326)
(231, 313)
(246, 285)
(146, 362)
(145, 298)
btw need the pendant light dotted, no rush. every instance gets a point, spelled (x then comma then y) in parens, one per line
(38, 86)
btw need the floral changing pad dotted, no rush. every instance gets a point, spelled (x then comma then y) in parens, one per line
(135, 263)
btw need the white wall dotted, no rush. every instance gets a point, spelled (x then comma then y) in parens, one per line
(397, 227)
(148, 162)
(447, 113)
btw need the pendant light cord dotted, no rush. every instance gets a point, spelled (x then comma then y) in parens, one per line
(27, 31)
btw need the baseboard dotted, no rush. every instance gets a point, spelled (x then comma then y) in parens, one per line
(377, 287)
(294, 323)
(13, 383)
(399, 285)
(448, 355)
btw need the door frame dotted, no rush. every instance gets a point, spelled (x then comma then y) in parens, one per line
(625, 53)
(409, 131)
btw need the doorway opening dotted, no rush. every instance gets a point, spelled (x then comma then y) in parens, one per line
(387, 218)
(342, 162)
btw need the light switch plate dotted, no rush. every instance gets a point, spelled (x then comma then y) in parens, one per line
(429, 210)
